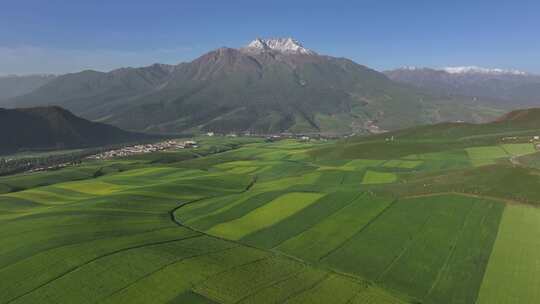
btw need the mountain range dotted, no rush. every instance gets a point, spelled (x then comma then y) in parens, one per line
(268, 86)
(55, 128)
(502, 87)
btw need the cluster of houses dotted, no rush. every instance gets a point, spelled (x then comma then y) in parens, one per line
(272, 137)
(536, 141)
(145, 148)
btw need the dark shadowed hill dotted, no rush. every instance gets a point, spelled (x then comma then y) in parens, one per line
(54, 127)
(270, 86)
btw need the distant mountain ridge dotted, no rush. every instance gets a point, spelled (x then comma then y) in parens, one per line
(269, 86)
(55, 128)
(511, 87)
(14, 85)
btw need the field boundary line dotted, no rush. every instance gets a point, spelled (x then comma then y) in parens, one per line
(185, 203)
(452, 251)
(405, 247)
(202, 282)
(176, 261)
(78, 223)
(98, 258)
(88, 241)
(356, 294)
(369, 223)
(308, 288)
(484, 197)
(275, 253)
(328, 216)
(271, 284)
(235, 267)
(342, 178)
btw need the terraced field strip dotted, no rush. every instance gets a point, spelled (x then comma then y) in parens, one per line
(415, 268)
(330, 178)
(205, 207)
(487, 155)
(460, 278)
(176, 280)
(31, 180)
(363, 253)
(48, 196)
(301, 221)
(283, 290)
(39, 270)
(513, 272)
(519, 149)
(359, 164)
(91, 187)
(442, 160)
(423, 246)
(265, 216)
(375, 177)
(334, 230)
(374, 295)
(404, 164)
(191, 298)
(241, 282)
(431, 263)
(234, 208)
(129, 265)
(334, 289)
(50, 239)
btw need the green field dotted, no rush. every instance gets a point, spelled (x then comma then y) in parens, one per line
(481, 156)
(374, 177)
(514, 265)
(265, 216)
(240, 220)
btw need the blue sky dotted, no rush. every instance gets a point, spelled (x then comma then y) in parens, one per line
(58, 36)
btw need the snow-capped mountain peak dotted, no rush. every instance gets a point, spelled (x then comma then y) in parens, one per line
(480, 70)
(283, 45)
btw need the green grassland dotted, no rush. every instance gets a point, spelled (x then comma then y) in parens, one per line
(240, 220)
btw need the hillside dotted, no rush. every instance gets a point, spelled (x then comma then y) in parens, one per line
(54, 127)
(516, 122)
(269, 86)
(515, 127)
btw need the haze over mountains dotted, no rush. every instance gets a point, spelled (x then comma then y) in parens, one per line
(13, 85)
(278, 85)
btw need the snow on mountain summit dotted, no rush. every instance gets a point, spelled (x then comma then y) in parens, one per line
(283, 45)
(480, 70)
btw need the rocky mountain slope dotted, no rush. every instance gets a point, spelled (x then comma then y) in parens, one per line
(269, 86)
